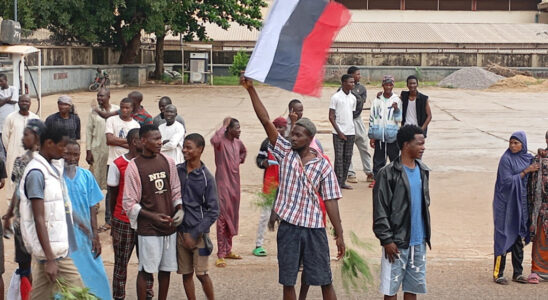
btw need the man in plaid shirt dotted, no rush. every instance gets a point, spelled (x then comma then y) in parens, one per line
(304, 176)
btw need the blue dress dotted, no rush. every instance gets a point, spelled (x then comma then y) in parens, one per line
(84, 192)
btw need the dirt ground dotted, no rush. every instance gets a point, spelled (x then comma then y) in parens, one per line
(465, 141)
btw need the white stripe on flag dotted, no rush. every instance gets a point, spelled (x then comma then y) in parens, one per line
(265, 48)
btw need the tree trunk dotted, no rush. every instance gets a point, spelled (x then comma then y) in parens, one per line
(130, 50)
(159, 57)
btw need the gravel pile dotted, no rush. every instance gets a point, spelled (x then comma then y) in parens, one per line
(474, 78)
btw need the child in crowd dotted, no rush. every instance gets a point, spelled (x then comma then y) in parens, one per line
(201, 210)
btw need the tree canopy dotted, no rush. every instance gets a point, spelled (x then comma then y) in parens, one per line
(119, 23)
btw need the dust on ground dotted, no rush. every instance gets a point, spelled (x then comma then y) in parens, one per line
(465, 141)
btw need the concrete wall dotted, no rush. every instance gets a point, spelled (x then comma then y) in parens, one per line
(57, 79)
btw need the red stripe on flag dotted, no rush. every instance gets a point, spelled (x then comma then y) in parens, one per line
(315, 49)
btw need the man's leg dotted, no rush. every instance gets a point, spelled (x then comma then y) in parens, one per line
(362, 143)
(163, 283)
(41, 286)
(108, 213)
(123, 241)
(2, 151)
(142, 279)
(207, 286)
(263, 222)
(289, 258)
(499, 265)
(392, 151)
(409, 296)
(188, 284)
(347, 154)
(379, 157)
(222, 237)
(517, 258)
(328, 292)
(338, 146)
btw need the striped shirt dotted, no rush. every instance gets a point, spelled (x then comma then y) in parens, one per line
(142, 116)
(297, 202)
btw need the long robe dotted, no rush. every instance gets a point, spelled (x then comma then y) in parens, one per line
(538, 209)
(84, 192)
(96, 141)
(228, 157)
(510, 212)
(12, 134)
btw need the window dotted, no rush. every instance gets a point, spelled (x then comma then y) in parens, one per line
(455, 4)
(493, 4)
(421, 4)
(384, 4)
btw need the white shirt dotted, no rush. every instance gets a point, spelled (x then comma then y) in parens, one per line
(411, 114)
(344, 105)
(176, 136)
(119, 128)
(7, 109)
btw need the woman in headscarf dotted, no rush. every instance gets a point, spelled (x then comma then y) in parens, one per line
(537, 196)
(66, 117)
(510, 210)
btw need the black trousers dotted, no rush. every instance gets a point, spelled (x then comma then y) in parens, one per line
(343, 156)
(382, 151)
(517, 261)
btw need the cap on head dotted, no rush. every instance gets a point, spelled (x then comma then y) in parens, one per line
(388, 79)
(307, 124)
(65, 99)
(280, 122)
(36, 126)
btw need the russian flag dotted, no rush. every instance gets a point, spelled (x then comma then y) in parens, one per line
(294, 42)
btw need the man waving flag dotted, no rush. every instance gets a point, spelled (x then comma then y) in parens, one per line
(292, 48)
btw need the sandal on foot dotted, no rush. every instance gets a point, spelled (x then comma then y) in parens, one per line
(233, 255)
(533, 278)
(370, 178)
(104, 228)
(520, 279)
(352, 179)
(259, 251)
(220, 263)
(372, 184)
(501, 280)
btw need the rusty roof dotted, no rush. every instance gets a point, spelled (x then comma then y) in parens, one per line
(411, 33)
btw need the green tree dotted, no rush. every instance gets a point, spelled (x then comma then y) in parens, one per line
(239, 63)
(120, 23)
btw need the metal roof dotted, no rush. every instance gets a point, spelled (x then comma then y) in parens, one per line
(411, 33)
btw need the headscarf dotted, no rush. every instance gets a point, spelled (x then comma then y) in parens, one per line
(510, 200)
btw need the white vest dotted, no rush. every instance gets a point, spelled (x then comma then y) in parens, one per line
(54, 210)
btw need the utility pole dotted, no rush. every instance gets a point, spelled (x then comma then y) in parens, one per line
(15, 10)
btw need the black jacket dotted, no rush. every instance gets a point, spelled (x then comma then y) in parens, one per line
(421, 107)
(392, 204)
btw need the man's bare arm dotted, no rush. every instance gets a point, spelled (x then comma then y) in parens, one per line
(260, 110)
(116, 141)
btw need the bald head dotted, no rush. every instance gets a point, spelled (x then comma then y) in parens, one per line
(170, 114)
(136, 96)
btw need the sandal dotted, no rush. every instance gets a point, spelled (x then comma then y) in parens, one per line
(372, 184)
(520, 279)
(370, 178)
(259, 251)
(104, 228)
(533, 278)
(220, 263)
(233, 255)
(501, 281)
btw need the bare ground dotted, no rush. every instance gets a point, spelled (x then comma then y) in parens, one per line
(466, 139)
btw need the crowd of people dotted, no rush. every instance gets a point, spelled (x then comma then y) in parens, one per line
(162, 200)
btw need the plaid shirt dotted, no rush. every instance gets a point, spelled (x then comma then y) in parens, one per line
(297, 202)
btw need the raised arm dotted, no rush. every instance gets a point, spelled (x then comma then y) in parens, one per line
(260, 110)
